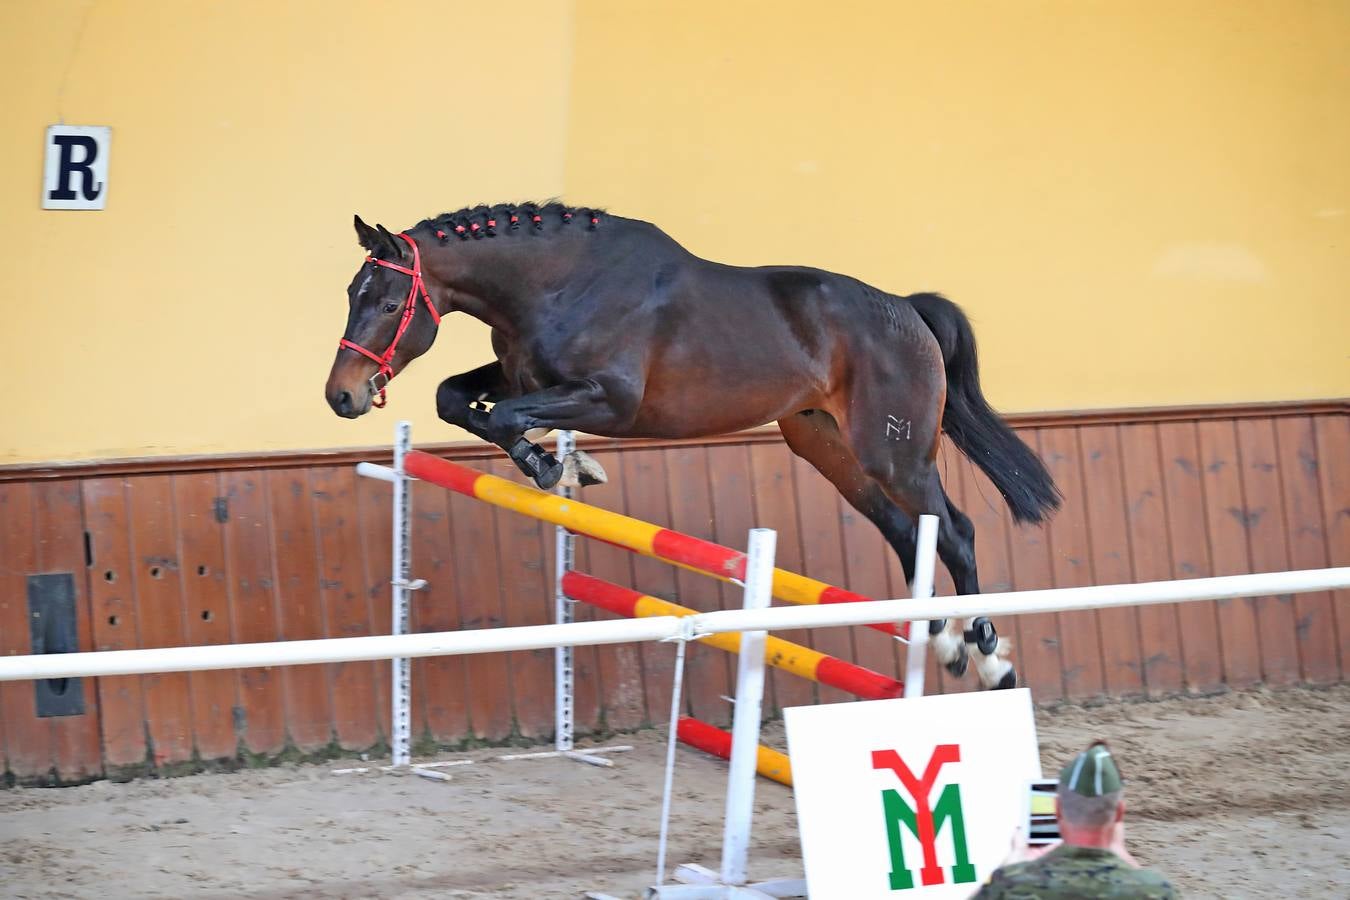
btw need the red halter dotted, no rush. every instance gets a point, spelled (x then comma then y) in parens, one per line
(418, 286)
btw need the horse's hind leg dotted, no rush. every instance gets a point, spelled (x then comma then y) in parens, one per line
(978, 639)
(901, 459)
(814, 436)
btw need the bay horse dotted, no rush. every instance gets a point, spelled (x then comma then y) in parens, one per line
(607, 325)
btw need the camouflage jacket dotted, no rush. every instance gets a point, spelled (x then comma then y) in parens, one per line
(1071, 873)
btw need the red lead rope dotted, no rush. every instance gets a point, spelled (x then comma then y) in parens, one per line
(410, 307)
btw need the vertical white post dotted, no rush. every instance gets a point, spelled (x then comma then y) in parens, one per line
(924, 562)
(401, 728)
(668, 788)
(563, 673)
(749, 700)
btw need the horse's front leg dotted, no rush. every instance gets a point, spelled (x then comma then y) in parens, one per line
(581, 405)
(458, 394)
(461, 399)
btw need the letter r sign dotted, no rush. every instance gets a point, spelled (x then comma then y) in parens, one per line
(76, 173)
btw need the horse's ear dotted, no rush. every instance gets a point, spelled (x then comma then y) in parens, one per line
(395, 247)
(366, 236)
(378, 242)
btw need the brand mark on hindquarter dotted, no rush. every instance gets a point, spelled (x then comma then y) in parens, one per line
(898, 429)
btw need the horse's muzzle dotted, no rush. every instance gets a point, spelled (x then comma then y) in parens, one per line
(347, 406)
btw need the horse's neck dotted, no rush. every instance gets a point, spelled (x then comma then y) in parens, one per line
(503, 283)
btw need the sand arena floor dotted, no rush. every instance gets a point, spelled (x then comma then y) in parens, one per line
(1241, 795)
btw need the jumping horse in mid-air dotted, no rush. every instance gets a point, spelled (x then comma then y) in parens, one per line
(606, 325)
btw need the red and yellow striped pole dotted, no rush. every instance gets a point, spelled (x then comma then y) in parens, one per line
(803, 661)
(623, 531)
(711, 739)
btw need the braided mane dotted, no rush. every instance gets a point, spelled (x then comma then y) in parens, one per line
(508, 218)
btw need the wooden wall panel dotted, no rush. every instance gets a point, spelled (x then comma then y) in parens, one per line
(645, 486)
(1303, 526)
(374, 520)
(159, 613)
(301, 550)
(261, 718)
(527, 599)
(866, 565)
(731, 483)
(206, 610)
(58, 529)
(1226, 520)
(300, 614)
(29, 752)
(438, 683)
(775, 507)
(822, 553)
(1333, 454)
(623, 694)
(1264, 521)
(342, 586)
(488, 681)
(1188, 537)
(1071, 563)
(708, 671)
(1145, 514)
(1109, 542)
(113, 616)
(1039, 656)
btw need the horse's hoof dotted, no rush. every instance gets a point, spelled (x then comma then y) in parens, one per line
(581, 470)
(1009, 680)
(958, 666)
(995, 670)
(549, 478)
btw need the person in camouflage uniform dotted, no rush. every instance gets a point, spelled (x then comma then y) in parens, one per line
(1092, 860)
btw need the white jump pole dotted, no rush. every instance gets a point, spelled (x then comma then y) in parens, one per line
(564, 550)
(401, 588)
(749, 703)
(151, 661)
(925, 555)
(402, 680)
(698, 882)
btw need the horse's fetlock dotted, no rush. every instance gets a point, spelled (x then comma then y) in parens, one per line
(983, 635)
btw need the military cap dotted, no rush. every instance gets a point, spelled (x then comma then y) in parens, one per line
(1092, 773)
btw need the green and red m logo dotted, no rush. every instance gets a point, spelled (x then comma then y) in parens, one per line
(922, 819)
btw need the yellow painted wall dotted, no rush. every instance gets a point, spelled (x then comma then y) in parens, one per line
(201, 310)
(1139, 203)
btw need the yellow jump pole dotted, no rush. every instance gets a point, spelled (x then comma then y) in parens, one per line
(801, 661)
(622, 531)
(711, 739)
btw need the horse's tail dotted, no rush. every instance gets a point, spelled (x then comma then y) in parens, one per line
(972, 424)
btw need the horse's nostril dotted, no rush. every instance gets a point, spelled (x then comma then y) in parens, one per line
(344, 402)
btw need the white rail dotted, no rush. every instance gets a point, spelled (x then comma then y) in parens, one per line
(534, 637)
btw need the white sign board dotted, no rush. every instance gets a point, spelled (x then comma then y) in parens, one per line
(76, 167)
(910, 798)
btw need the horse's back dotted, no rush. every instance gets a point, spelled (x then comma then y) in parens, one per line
(727, 347)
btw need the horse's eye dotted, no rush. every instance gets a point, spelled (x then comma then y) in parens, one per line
(390, 307)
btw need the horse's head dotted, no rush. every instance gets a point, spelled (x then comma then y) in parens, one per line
(384, 329)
